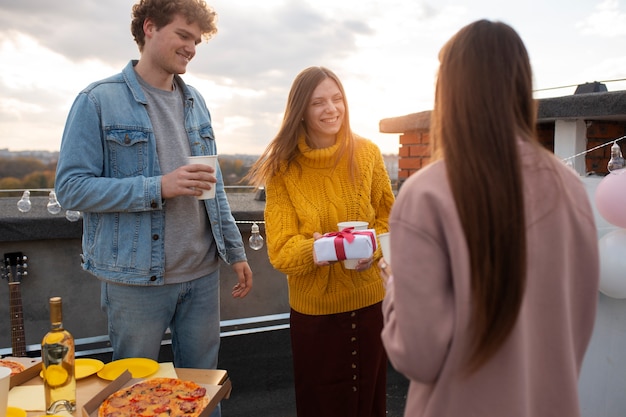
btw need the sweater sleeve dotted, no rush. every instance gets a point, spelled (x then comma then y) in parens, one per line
(289, 251)
(419, 305)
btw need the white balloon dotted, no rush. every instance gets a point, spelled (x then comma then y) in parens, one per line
(612, 248)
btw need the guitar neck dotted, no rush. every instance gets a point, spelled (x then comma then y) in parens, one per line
(18, 342)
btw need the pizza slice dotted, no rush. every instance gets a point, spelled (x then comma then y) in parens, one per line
(15, 367)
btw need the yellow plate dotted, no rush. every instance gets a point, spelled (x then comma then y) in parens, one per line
(84, 367)
(15, 412)
(138, 368)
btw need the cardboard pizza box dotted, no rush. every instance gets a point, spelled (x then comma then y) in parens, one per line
(215, 381)
(33, 367)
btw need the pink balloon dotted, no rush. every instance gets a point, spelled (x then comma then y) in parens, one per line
(611, 198)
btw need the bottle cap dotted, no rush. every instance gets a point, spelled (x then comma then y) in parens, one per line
(56, 310)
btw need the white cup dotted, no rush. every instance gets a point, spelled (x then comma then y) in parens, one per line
(383, 238)
(210, 160)
(5, 378)
(352, 263)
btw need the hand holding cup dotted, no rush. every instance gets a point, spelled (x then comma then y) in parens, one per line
(211, 161)
(188, 180)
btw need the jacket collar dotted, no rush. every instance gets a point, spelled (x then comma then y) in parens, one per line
(130, 77)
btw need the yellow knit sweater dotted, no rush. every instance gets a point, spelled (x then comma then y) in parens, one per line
(315, 199)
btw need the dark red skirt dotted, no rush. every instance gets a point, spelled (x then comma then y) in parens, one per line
(340, 365)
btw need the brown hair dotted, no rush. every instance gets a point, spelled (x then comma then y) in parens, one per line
(283, 149)
(162, 12)
(483, 106)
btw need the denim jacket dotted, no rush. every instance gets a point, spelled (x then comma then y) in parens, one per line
(109, 169)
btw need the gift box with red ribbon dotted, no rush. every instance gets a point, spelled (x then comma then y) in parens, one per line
(346, 244)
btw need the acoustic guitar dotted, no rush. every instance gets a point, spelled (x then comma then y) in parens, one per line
(14, 269)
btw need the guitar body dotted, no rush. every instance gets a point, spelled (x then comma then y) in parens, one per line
(14, 269)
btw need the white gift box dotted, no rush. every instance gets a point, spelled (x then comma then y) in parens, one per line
(347, 244)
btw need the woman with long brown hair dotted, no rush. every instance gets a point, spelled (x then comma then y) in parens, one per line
(491, 303)
(318, 173)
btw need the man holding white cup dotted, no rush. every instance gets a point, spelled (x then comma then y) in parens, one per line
(123, 162)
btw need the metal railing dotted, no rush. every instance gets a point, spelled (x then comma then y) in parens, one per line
(100, 344)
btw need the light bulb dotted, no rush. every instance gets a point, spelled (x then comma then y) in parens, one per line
(72, 215)
(53, 205)
(24, 204)
(256, 240)
(617, 160)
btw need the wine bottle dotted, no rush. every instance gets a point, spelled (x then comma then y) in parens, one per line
(57, 354)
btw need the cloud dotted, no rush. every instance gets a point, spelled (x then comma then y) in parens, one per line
(251, 45)
(244, 72)
(606, 21)
(79, 30)
(256, 49)
(384, 52)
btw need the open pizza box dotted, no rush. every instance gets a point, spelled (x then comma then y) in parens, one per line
(216, 382)
(32, 365)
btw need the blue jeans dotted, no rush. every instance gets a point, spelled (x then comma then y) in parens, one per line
(138, 317)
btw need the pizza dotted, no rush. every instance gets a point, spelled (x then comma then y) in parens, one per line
(15, 367)
(169, 397)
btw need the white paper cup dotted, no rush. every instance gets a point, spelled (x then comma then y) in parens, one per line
(5, 378)
(383, 238)
(210, 160)
(358, 225)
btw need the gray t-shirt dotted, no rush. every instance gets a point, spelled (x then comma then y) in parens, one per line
(190, 250)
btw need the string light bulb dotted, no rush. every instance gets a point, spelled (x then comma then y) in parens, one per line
(256, 240)
(617, 160)
(72, 215)
(53, 205)
(24, 205)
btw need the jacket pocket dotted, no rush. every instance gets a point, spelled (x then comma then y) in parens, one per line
(206, 133)
(202, 140)
(128, 152)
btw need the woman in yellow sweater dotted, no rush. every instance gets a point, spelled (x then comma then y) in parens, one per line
(317, 173)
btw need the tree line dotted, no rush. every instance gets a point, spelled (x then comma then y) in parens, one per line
(31, 173)
(26, 173)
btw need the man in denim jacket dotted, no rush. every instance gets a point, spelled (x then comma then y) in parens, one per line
(123, 163)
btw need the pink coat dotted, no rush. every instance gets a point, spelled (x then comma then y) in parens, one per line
(427, 305)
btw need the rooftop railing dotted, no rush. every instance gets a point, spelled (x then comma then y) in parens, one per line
(52, 245)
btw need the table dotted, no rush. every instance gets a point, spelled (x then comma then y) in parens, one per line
(88, 387)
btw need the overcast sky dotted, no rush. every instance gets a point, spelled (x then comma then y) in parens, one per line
(385, 52)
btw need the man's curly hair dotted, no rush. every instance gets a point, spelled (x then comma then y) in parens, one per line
(162, 12)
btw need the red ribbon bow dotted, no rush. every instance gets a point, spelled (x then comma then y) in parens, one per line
(348, 234)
